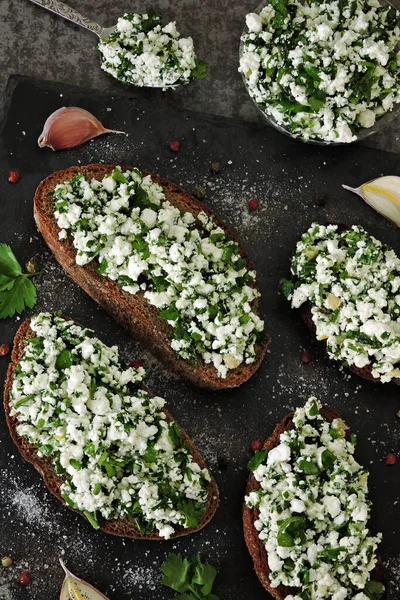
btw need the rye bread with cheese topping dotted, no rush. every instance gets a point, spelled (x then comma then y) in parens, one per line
(345, 283)
(126, 526)
(133, 311)
(255, 544)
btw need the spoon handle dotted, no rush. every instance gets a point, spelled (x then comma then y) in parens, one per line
(63, 10)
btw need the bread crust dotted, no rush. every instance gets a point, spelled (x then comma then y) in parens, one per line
(125, 527)
(250, 515)
(306, 315)
(364, 372)
(134, 312)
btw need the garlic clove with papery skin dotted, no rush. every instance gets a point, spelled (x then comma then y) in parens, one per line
(74, 588)
(70, 126)
(383, 194)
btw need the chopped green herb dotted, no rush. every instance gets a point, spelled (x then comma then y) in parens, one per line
(257, 459)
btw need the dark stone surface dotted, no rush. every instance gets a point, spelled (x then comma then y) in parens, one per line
(37, 43)
(285, 177)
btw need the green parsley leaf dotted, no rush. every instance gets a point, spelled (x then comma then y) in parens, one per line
(145, 527)
(58, 468)
(16, 289)
(192, 579)
(68, 500)
(152, 21)
(328, 459)
(257, 459)
(92, 518)
(24, 400)
(289, 530)
(286, 287)
(75, 464)
(169, 314)
(64, 359)
(227, 253)
(17, 297)
(217, 237)
(304, 575)
(317, 100)
(175, 434)
(102, 267)
(97, 489)
(46, 449)
(331, 553)
(150, 456)
(193, 512)
(200, 70)
(204, 576)
(307, 466)
(6, 283)
(280, 6)
(335, 433)
(117, 175)
(176, 571)
(314, 410)
(312, 72)
(374, 590)
(9, 265)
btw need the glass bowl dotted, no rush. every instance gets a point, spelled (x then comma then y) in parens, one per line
(362, 134)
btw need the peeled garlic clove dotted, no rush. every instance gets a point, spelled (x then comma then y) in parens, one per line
(74, 588)
(332, 301)
(70, 126)
(383, 194)
(231, 361)
(312, 253)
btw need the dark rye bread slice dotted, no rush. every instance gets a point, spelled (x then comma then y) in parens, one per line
(250, 515)
(122, 527)
(364, 372)
(306, 315)
(133, 312)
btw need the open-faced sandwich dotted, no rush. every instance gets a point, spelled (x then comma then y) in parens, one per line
(161, 264)
(103, 444)
(306, 512)
(346, 284)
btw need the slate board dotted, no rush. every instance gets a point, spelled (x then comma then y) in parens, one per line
(284, 176)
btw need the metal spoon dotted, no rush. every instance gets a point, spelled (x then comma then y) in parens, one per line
(63, 10)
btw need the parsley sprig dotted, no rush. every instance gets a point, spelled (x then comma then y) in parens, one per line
(16, 289)
(189, 577)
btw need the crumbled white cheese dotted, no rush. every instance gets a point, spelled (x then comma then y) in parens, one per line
(188, 268)
(351, 280)
(323, 70)
(313, 511)
(143, 53)
(111, 442)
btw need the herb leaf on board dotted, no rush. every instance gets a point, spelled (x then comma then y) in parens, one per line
(192, 579)
(16, 289)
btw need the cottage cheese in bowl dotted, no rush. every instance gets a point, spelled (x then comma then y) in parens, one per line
(324, 72)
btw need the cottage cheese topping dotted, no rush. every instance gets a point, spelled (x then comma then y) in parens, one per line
(142, 52)
(352, 281)
(109, 440)
(188, 268)
(313, 511)
(323, 70)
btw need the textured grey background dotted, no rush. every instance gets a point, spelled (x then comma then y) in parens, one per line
(37, 43)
